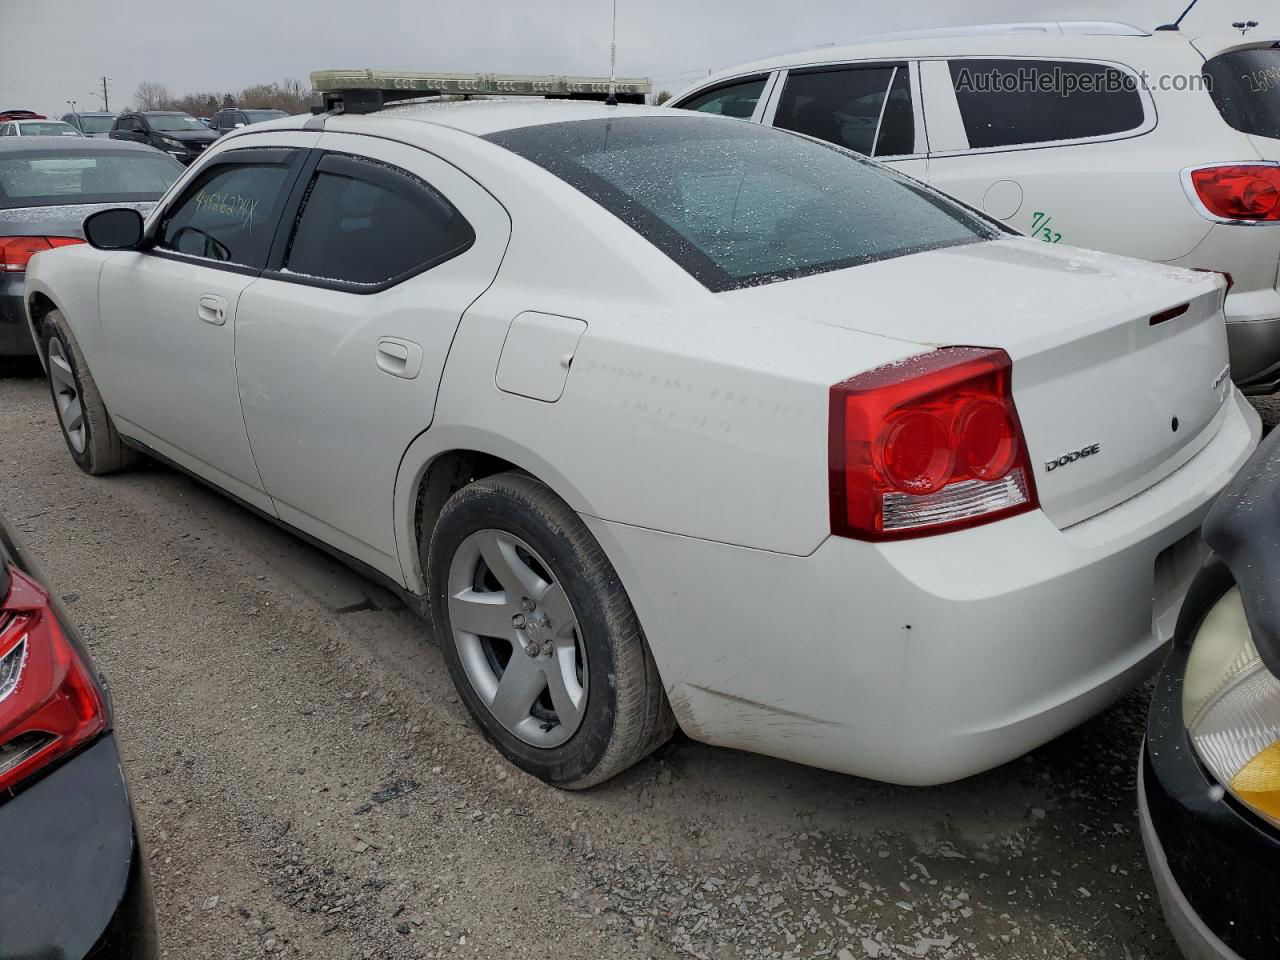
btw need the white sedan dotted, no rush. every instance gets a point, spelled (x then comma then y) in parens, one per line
(667, 419)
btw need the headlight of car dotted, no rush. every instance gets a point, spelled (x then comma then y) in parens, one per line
(1231, 706)
(171, 144)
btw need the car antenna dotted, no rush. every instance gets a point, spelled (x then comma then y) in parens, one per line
(1177, 23)
(612, 100)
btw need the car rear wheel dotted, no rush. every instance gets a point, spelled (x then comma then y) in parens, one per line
(539, 635)
(86, 426)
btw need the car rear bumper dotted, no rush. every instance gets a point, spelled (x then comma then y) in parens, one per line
(15, 335)
(923, 661)
(1255, 355)
(73, 882)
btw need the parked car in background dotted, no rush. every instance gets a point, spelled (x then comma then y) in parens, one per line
(47, 187)
(91, 124)
(1209, 778)
(74, 882)
(6, 115)
(1159, 146)
(410, 334)
(224, 121)
(180, 135)
(38, 128)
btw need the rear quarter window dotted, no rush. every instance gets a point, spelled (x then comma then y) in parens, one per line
(1245, 86)
(1011, 103)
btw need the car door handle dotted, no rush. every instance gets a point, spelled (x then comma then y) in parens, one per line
(212, 309)
(400, 358)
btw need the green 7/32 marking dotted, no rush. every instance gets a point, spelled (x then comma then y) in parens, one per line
(1040, 223)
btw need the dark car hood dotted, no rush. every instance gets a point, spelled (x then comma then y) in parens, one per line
(189, 136)
(61, 220)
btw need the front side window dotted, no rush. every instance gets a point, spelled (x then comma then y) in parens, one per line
(1007, 103)
(1245, 86)
(368, 223)
(735, 100)
(37, 180)
(865, 109)
(737, 204)
(228, 215)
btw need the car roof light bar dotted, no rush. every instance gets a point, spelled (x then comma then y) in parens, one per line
(367, 91)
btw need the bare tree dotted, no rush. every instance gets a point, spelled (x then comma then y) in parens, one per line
(152, 96)
(661, 97)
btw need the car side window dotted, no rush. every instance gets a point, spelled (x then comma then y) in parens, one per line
(734, 100)
(6, 130)
(368, 223)
(1007, 103)
(865, 109)
(228, 214)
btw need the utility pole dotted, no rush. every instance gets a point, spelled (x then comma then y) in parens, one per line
(105, 105)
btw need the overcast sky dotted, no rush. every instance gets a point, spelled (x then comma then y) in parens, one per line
(56, 50)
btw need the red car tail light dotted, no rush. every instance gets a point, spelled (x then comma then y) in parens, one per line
(1241, 191)
(16, 251)
(50, 703)
(927, 445)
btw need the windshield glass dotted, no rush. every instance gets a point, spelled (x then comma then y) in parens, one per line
(96, 124)
(1245, 86)
(33, 180)
(737, 204)
(257, 116)
(51, 128)
(169, 122)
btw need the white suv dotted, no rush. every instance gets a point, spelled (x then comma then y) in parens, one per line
(1157, 146)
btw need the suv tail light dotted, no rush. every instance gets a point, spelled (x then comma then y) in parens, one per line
(50, 703)
(1239, 191)
(16, 251)
(927, 445)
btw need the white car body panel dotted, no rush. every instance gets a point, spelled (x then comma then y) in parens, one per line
(691, 434)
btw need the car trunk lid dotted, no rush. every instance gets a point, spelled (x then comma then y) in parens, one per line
(1120, 370)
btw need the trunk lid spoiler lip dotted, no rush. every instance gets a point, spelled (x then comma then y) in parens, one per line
(1243, 529)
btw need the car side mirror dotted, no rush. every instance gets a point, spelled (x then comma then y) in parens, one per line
(116, 229)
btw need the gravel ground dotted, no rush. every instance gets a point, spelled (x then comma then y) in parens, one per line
(307, 784)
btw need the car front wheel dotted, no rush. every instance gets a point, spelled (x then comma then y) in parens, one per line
(539, 635)
(86, 426)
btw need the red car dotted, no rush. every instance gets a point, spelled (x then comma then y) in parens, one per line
(21, 115)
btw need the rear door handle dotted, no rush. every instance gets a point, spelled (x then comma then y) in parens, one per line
(400, 358)
(212, 309)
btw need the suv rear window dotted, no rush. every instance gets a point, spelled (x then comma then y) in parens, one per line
(737, 204)
(1008, 103)
(1245, 86)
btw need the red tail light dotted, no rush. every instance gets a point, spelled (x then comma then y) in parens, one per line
(16, 251)
(927, 445)
(1241, 191)
(50, 703)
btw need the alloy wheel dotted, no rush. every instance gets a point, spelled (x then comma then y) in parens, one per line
(518, 638)
(66, 396)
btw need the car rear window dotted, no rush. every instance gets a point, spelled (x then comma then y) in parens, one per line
(54, 128)
(96, 124)
(1009, 103)
(66, 176)
(1245, 86)
(737, 204)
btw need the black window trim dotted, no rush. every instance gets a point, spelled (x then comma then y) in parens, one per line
(357, 167)
(919, 143)
(1150, 113)
(297, 157)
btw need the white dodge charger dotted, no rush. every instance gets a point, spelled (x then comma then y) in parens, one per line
(671, 420)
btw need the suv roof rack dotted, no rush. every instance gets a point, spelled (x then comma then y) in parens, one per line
(1102, 28)
(368, 91)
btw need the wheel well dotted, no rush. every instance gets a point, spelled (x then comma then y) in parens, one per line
(40, 307)
(446, 475)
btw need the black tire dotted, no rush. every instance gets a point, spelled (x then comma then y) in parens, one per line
(104, 452)
(627, 715)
